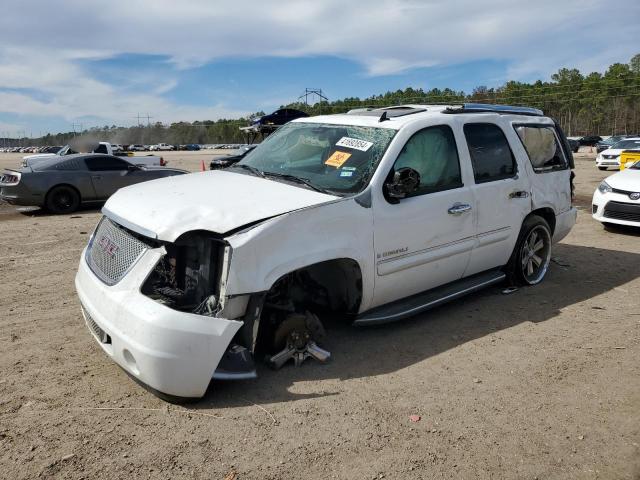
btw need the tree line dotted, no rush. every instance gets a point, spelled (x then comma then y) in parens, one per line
(596, 103)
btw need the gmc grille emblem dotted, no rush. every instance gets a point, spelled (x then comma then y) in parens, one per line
(109, 246)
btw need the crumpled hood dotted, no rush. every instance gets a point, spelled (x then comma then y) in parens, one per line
(628, 179)
(217, 201)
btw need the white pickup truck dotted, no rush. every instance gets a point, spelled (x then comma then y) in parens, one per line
(370, 216)
(101, 147)
(162, 147)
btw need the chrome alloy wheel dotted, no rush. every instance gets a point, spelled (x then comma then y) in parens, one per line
(535, 255)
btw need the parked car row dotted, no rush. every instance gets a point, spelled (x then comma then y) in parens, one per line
(611, 156)
(610, 141)
(45, 149)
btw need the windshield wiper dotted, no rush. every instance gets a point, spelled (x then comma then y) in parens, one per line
(254, 170)
(304, 181)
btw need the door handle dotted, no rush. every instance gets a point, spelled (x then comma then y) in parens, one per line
(459, 208)
(519, 194)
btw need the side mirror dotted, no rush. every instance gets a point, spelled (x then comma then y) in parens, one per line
(405, 181)
(132, 168)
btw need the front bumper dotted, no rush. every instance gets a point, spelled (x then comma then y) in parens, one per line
(175, 353)
(608, 162)
(599, 205)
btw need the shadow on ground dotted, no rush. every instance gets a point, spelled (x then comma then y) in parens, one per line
(577, 274)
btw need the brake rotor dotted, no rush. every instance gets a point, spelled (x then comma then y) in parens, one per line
(296, 339)
(297, 329)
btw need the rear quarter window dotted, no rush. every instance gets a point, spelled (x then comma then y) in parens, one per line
(542, 146)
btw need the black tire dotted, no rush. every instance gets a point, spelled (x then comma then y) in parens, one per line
(530, 259)
(62, 199)
(602, 168)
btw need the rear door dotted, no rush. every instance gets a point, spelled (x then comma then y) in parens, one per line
(108, 174)
(501, 193)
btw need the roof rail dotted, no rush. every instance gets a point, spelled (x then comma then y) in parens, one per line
(492, 108)
(391, 112)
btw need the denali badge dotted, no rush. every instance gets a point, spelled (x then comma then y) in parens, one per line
(634, 195)
(109, 246)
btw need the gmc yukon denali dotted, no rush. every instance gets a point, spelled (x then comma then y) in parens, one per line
(370, 216)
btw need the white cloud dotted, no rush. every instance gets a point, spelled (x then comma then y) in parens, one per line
(41, 42)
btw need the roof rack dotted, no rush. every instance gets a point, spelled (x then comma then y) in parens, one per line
(492, 108)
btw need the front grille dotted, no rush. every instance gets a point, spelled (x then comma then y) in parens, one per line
(100, 334)
(629, 212)
(113, 251)
(621, 192)
(610, 157)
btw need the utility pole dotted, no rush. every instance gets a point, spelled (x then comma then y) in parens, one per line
(310, 92)
(148, 120)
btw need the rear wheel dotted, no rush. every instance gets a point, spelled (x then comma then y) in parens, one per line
(530, 259)
(62, 199)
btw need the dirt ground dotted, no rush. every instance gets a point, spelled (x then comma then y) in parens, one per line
(542, 383)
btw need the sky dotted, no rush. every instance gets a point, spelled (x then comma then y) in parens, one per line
(67, 63)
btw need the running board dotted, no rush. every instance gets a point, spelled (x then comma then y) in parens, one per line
(420, 302)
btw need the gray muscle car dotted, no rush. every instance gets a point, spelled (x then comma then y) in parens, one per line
(62, 184)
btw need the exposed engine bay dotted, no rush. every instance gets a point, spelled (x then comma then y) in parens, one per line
(187, 278)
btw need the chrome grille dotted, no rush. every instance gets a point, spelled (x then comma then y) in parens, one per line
(113, 251)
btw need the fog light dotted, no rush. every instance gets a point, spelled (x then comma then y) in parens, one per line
(131, 362)
(594, 208)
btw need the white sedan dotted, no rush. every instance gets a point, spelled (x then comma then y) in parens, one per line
(611, 156)
(617, 198)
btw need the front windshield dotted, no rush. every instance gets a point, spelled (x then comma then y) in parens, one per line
(627, 144)
(612, 140)
(336, 158)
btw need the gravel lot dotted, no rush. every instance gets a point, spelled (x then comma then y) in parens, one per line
(542, 383)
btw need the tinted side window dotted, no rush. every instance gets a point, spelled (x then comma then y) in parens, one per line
(102, 164)
(433, 154)
(491, 155)
(542, 146)
(72, 164)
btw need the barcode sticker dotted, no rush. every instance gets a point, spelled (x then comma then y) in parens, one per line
(349, 142)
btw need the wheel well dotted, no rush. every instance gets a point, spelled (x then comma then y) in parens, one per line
(330, 286)
(46, 197)
(334, 285)
(548, 214)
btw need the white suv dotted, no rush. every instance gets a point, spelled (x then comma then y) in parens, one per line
(372, 216)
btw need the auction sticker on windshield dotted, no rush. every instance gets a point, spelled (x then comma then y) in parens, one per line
(337, 159)
(354, 143)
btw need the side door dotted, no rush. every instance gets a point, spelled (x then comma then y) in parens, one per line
(108, 174)
(501, 193)
(425, 239)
